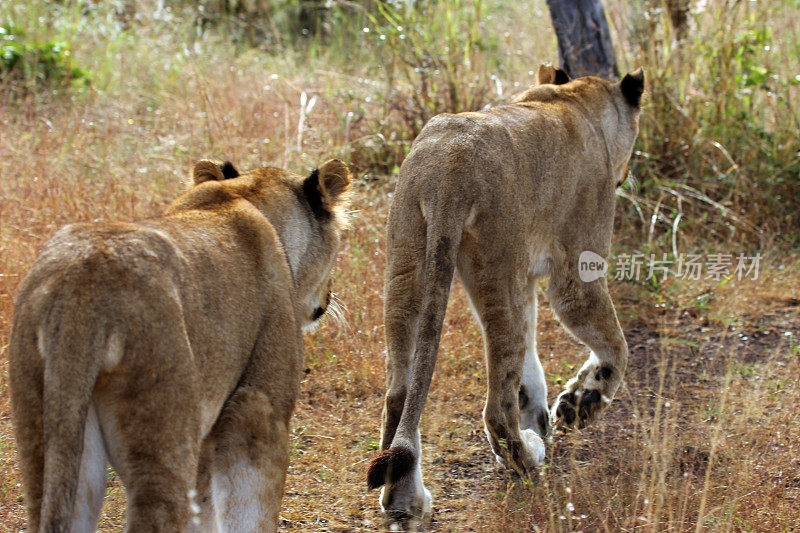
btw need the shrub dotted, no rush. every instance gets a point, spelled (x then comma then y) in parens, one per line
(717, 157)
(32, 65)
(427, 58)
(435, 57)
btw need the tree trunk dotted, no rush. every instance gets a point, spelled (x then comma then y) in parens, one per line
(678, 11)
(584, 41)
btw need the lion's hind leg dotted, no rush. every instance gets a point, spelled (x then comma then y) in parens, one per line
(248, 454)
(92, 476)
(587, 311)
(500, 305)
(520, 449)
(533, 411)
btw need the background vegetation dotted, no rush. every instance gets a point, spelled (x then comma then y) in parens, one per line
(105, 105)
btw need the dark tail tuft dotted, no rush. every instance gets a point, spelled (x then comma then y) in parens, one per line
(389, 466)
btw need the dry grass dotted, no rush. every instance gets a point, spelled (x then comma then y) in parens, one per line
(703, 435)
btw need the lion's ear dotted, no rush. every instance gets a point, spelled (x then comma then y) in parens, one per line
(562, 77)
(327, 186)
(632, 86)
(209, 169)
(335, 178)
(552, 75)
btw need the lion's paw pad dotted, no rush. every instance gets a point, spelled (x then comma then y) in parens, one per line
(577, 408)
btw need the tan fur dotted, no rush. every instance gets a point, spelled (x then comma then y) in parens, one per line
(505, 196)
(171, 347)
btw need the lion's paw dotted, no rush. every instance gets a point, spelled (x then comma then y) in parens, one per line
(534, 445)
(584, 397)
(407, 501)
(535, 451)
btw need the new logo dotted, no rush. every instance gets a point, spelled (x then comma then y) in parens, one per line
(591, 266)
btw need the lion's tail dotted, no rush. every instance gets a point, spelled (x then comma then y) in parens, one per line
(443, 240)
(70, 344)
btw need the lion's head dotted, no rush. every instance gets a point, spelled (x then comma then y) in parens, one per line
(614, 106)
(308, 214)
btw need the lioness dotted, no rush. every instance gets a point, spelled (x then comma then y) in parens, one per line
(172, 349)
(505, 196)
